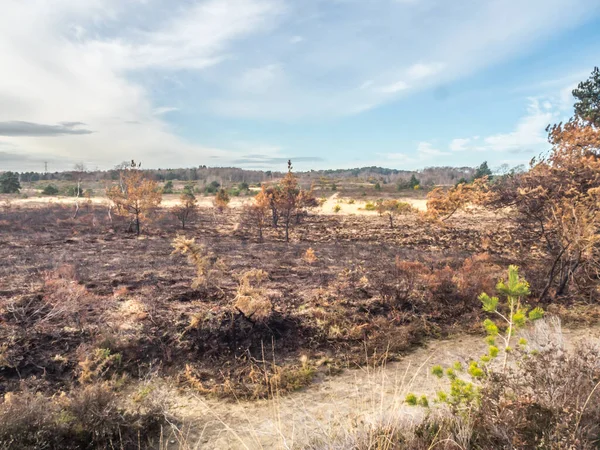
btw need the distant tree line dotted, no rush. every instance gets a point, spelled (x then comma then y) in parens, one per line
(228, 176)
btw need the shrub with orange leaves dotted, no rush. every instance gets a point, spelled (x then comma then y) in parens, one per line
(208, 266)
(221, 200)
(255, 215)
(135, 196)
(441, 205)
(251, 299)
(310, 257)
(287, 201)
(557, 202)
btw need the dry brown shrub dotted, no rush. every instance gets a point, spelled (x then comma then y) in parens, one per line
(221, 200)
(478, 274)
(251, 298)
(309, 256)
(287, 201)
(441, 205)
(90, 418)
(64, 299)
(98, 364)
(408, 275)
(255, 215)
(556, 203)
(188, 205)
(208, 266)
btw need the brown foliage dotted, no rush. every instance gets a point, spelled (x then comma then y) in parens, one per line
(309, 256)
(557, 202)
(413, 287)
(255, 215)
(251, 298)
(208, 265)
(221, 200)
(135, 197)
(442, 205)
(286, 200)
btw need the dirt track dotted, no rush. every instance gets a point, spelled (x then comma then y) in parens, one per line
(340, 404)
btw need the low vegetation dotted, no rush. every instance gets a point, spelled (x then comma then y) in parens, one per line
(264, 294)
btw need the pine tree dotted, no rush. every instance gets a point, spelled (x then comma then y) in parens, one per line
(9, 183)
(482, 171)
(414, 181)
(587, 93)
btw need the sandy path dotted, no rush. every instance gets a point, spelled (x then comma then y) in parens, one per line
(170, 200)
(335, 405)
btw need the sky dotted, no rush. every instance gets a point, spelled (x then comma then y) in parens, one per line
(403, 84)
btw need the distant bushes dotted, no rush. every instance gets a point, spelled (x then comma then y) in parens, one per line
(50, 190)
(168, 187)
(73, 191)
(212, 188)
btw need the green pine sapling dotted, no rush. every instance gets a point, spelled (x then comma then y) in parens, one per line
(515, 315)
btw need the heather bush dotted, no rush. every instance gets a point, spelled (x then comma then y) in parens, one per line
(86, 418)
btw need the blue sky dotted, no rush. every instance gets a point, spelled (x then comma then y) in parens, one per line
(330, 83)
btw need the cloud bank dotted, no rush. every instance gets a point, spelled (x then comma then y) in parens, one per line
(105, 80)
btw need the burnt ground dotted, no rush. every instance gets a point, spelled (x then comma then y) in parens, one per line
(82, 300)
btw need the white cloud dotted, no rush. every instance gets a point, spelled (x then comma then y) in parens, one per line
(367, 84)
(419, 70)
(529, 135)
(386, 43)
(460, 145)
(164, 110)
(426, 149)
(258, 80)
(196, 38)
(425, 152)
(64, 70)
(393, 88)
(296, 39)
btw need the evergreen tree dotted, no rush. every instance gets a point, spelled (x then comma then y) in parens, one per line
(482, 171)
(9, 183)
(587, 107)
(414, 181)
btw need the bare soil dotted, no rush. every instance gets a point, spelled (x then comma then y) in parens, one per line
(82, 300)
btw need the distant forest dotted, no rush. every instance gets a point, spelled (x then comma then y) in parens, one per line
(231, 175)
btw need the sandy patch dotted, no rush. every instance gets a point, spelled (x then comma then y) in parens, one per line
(357, 207)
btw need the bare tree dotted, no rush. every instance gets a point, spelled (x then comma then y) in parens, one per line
(79, 171)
